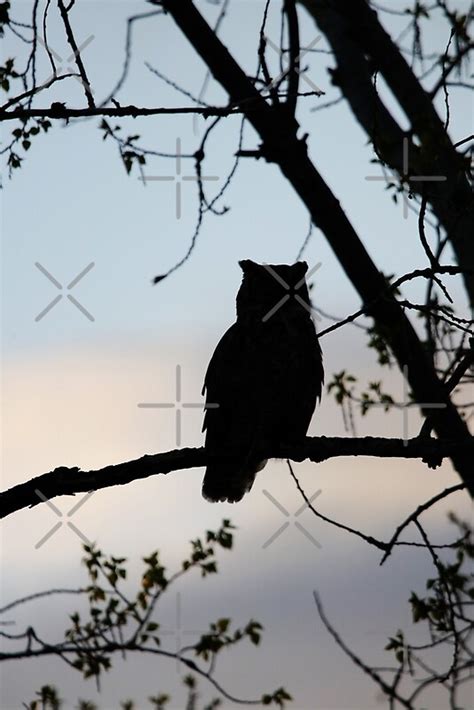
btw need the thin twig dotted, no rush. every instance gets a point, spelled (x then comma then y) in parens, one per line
(420, 509)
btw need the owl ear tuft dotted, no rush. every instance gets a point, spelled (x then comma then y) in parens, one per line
(247, 266)
(300, 268)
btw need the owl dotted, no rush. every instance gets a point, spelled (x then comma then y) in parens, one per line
(263, 380)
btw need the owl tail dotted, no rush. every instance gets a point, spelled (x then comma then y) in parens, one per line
(228, 482)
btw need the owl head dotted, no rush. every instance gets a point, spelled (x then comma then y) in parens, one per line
(273, 291)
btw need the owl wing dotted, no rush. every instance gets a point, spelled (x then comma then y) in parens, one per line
(261, 388)
(306, 379)
(231, 420)
(231, 391)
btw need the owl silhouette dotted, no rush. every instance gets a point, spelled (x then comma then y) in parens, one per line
(263, 380)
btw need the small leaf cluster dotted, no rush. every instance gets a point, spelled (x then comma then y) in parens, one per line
(48, 699)
(397, 644)
(343, 388)
(202, 555)
(112, 614)
(378, 343)
(22, 136)
(221, 637)
(450, 590)
(116, 621)
(445, 608)
(129, 152)
(375, 395)
(7, 72)
(278, 698)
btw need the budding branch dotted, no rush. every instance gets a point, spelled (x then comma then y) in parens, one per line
(68, 481)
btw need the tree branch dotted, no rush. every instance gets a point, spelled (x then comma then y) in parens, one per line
(387, 689)
(57, 111)
(281, 145)
(69, 481)
(413, 517)
(360, 44)
(76, 53)
(289, 9)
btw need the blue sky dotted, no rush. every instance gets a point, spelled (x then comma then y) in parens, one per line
(72, 384)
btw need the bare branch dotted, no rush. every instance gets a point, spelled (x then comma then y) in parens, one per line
(294, 53)
(387, 689)
(68, 481)
(120, 111)
(413, 516)
(77, 54)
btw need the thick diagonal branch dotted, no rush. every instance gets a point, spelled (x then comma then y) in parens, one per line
(361, 45)
(280, 144)
(68, 481)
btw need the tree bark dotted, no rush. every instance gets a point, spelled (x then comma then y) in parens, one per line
(68, 481)
(361, 45)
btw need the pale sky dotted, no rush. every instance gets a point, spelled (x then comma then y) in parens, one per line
(71, 384)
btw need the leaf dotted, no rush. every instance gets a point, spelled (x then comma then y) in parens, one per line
(223, 625)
